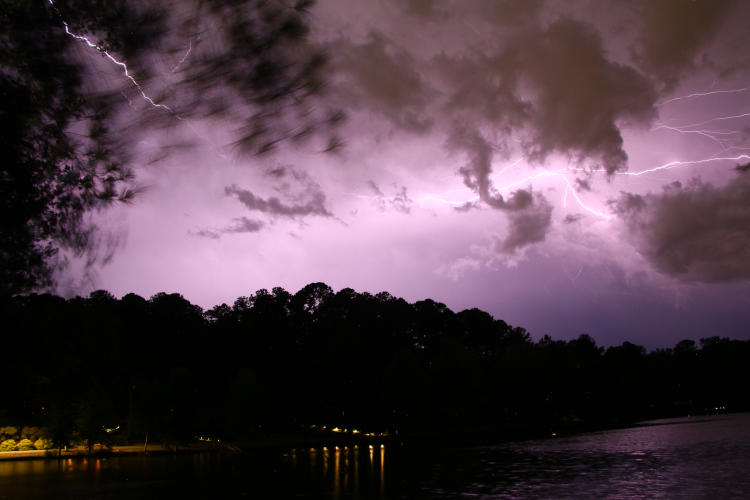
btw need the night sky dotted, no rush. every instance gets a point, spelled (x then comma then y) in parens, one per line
(568, 166)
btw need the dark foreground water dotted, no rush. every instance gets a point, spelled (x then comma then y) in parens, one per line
(697, 457)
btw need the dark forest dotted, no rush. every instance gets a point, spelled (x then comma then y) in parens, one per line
(276, 363)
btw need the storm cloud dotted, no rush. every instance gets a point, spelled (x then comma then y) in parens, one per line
(527, 226)
(502, 128)
(315, 205)
(529, 215)
(519, 84)
(383, 76)
(672, 35)
(696, 231)
(556, 89)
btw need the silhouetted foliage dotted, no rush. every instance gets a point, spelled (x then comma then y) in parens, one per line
(71, 118)
(275, 361)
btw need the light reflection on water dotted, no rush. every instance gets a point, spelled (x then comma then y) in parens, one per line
(691, 457)
(37, 467)
(694, 458)
(342, 471)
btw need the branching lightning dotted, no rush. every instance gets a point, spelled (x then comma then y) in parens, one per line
(109, 56)
(505, 188)
(713, 135)
(668, 165)
(559, 173)
(570, 188)
(718, 118)
(132, 79)
(702, 94)
(727, 140)
(721, 137)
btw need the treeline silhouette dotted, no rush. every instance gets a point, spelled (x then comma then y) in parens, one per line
(280, 362)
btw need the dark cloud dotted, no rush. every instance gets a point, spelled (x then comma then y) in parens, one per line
(375, 188)
(467, 207)
(696, 232)
(238, 225)
(244, 225)
(527, 226)
(277, 172)
(502, 12)
(556, 89)
(315, 204)
(572, 218)
(529, 216)
(476, 92)
(509, 12)
(383, 77)
(583, 184)
(421, 8)
(297, 196)
(476, 173)
(673, 33)
(207, 233)
(400, 201)
(552, 89)
(578, 94)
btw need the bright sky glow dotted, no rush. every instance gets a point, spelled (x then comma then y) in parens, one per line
(461, 184)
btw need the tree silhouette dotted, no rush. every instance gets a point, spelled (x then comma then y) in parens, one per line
(277, 362)
(68, 135)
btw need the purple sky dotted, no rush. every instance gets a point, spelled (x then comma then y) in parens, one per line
(507, 155)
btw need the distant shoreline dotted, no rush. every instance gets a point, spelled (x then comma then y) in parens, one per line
(100, 450)
(473, 437)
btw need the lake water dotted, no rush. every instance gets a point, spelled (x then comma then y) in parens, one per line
(697, 457)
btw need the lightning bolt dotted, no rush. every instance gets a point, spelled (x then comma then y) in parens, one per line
(702, 94)
(726, 139)
(710, 134)
(440, 199)
(718, 118)
(109, 56)
(508, 167)
(570, 188)
(190, 48)
(714, 135)
(668, 165)
(557, 173)
(132, 79)
(720, 137)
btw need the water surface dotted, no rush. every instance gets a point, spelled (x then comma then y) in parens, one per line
(697, 457)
